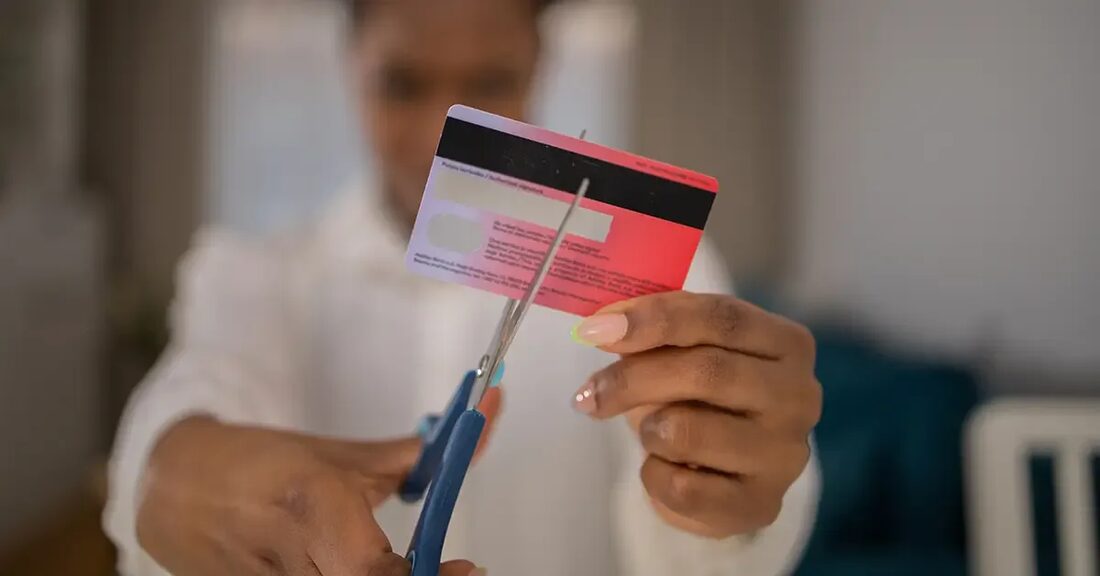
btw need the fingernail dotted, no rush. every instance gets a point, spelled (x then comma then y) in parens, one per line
(655, 426)
(480, 572)
(601, 330)
(585, 399)
(497, 376)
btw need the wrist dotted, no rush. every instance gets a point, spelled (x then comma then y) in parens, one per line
(178, 439)
(167, 483)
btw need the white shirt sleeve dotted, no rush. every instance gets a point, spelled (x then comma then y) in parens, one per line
(648, 546)
(232, 356)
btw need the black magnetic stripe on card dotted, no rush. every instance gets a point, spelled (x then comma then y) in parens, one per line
(563, 170)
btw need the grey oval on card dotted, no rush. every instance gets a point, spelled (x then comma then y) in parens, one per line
(455, 233)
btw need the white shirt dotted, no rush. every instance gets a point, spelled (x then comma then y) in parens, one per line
(327, 333)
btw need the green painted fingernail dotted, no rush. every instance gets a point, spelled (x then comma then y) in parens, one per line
(601, 330)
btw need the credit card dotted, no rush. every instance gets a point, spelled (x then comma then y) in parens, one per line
(498, 190)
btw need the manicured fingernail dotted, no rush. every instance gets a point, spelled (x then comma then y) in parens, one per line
(585, 399)
(480, 572)
(498, 376)
(601, 330)
(655, 426)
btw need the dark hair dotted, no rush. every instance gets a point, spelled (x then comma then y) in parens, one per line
(359, 8)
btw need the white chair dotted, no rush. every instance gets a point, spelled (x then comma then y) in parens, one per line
(1000, 438)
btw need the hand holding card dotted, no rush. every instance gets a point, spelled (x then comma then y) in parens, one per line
(498, 188)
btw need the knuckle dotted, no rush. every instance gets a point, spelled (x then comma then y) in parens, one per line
(769, 510)
(790, 460)
(685, 491)
(803, 406)
(660, 318)
(803, 340)
(712, 367)
(677, 432)
(611, 382)
(807, 339)
(725, 317)
(760, 511)
(302, 496)
(806, 336)
(296, 501)
(816, 404)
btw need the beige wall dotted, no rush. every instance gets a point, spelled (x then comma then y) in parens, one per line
(130, 151)
(710, 89)
(146, 97)
(948, 172)
(50, 273)
(144, 156)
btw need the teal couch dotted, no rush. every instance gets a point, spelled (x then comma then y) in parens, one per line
(889, 447)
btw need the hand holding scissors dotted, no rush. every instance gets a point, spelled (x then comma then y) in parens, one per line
(451, 439)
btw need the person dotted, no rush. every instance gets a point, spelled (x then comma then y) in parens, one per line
(253, 447)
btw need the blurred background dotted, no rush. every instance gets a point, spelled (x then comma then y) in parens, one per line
(919, 180)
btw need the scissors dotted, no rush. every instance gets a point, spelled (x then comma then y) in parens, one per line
(451, 438)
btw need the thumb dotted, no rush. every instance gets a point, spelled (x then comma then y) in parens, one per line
(379, 466)
(377, 458)
(458, 568)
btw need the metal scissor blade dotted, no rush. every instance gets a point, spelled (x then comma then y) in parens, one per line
(519, 311)
(507, 327)
(544, 269)
(501, 332)
(514, 311)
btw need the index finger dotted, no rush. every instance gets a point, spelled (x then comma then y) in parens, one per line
(685, 319)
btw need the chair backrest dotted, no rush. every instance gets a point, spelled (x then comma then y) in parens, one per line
(1001, 437)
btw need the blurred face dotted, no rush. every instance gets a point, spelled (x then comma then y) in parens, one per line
(416, 58)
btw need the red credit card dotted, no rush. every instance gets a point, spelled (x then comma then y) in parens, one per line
(498, 190)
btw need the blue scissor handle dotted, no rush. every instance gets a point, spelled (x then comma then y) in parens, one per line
(436, 430)
(426, 547)
(435, 442)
